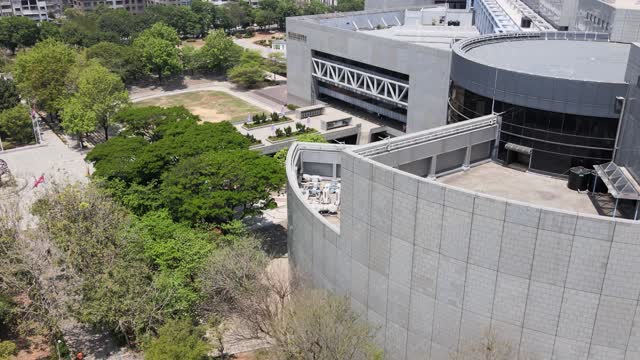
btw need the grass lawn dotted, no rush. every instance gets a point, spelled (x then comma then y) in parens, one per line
(211, 106)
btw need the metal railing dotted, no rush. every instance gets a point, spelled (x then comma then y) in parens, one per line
(427, 136)
(376, 86)
(468, 44)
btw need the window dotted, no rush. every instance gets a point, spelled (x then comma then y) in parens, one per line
(297, 37)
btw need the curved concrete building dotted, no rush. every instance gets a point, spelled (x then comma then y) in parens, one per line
(560, 94)
(432, 245)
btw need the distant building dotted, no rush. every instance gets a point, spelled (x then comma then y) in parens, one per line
(619, 18)
(169, 2)
(279, 45)
(33, 9)
(134, 6)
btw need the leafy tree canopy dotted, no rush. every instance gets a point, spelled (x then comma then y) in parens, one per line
(41, 73)
(8, 94)
(15, 124)
(101, 93)
(178, 339)
(18, 31)
(219, 52)
(248, 75)
(171, 161)
(159, 52)
(119, 59)
(134, 273)
(217, 185)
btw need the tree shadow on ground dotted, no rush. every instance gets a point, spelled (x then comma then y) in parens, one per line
(273, 238)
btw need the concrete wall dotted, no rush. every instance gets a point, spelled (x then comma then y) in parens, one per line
(434, 266)
(628, 153)
(563, 95)
(427, 67)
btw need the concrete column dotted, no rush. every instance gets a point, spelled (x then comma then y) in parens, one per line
(467, 159)
(432, 169)
(335, 171)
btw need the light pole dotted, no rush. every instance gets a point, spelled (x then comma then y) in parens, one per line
(57, 349)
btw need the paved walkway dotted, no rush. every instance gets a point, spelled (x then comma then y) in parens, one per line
(248, 44)
(55, 160)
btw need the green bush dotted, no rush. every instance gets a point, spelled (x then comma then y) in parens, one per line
(292, 106)
(279, 133)
(178, 339)
(287, 131)
(7, 349)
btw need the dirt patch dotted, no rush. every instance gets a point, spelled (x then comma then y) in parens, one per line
(211, 106)
(267, 35)
(198, 43)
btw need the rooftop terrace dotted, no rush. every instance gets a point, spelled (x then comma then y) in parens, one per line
(497, 180)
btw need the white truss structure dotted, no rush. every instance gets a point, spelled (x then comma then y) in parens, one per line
(360, 81)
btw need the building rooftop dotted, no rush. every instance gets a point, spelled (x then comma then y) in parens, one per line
(599, 61)
(623, 4)
(435, 36)
(509, 13)
(497, 180)
(435, 26)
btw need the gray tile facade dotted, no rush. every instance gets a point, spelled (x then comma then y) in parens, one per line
(557, 285)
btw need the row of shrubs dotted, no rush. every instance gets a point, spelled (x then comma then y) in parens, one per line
(288, 131)
(260, 119)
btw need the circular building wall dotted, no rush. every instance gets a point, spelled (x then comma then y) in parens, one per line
(557, 97)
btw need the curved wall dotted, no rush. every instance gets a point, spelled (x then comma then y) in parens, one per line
(435, 266)
(563, 95)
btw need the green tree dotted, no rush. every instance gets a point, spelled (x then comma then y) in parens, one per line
(8, 94)
(18, 31)
(77, 118)
(207, 12)
(191, 58)
(246, 75)
(118, 21)
(277, 63)
(265, 18)
(126, 61)
(49, 30)
(103, 248)
(234, 14)
(178, 339)
(101, 93)
(41, 73)
(219, 52)
(161, 31)
(314, 7)
(281, 155)
(148, 121)
(285, 9)
(15, 123)
(217, 186)
(159, 52)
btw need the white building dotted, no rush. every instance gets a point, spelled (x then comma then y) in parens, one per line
(33, 9)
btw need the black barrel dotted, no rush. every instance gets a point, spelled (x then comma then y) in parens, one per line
(578, 178)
